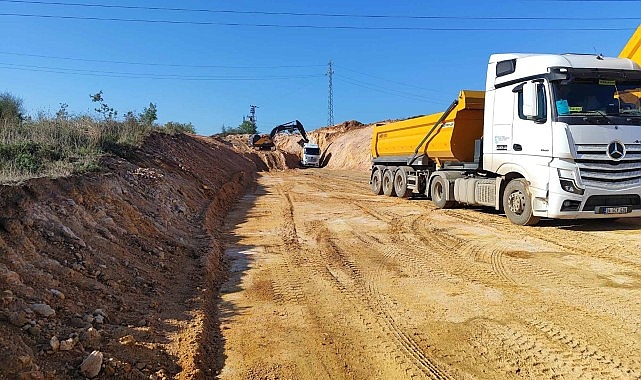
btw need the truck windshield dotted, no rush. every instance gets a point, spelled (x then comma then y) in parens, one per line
(582, 101)
(312, 151)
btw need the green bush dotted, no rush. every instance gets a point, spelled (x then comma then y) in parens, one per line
(173, 128)
(65, 144)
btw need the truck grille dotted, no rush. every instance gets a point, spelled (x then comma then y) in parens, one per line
(597, 169)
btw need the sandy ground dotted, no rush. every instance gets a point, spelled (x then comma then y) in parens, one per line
(310, 276)
(329, 281)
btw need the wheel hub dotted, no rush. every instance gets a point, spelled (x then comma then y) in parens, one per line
(516, 202)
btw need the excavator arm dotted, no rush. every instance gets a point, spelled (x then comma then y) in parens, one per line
(290, 127)
(266, 141)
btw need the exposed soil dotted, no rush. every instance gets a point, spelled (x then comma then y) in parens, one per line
(331, 282)
(160, 264)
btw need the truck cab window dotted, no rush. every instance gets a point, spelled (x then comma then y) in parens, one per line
(541, 104)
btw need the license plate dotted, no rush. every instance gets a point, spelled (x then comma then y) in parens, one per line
(613, 210)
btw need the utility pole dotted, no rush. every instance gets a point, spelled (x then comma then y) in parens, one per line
(330, 98)
(252, 115)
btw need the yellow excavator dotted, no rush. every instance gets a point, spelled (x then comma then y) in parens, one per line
(266, 141)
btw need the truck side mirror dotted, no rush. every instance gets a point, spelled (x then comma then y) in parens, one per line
(530, 100)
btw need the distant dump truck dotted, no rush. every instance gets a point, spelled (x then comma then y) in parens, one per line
(556, 136)
(310, 156)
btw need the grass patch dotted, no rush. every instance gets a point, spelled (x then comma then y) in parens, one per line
(54, 147)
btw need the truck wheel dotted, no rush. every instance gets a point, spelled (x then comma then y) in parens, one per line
(388, 183)
(439, 196)
(377, 181)
(400, 184)
(517, 203)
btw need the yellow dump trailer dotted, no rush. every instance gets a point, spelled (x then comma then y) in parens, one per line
(449, 140)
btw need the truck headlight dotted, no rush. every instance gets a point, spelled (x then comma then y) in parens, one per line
(568, 183)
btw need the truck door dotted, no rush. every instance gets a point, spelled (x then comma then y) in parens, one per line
(532, 134)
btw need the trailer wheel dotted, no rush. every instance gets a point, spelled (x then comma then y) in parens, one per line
(439, 196)
(377, 181)
(400, 184)
(388, 183)
(517, 203)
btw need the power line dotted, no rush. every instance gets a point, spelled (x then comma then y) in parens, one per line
(386, 90)
(388, 80)
(158, 64)
(115, 74)
(317, 14)
(303, 26)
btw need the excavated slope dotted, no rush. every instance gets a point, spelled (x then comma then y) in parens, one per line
(125, 262)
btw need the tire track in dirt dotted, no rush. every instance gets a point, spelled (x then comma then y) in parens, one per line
(497, 255)
(585, 352)
(322, 268)
(368, 296)
(571, 241)
(568, 243)
(364, 292)
(550, 352)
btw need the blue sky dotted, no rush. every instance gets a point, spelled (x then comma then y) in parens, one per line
(206, 62)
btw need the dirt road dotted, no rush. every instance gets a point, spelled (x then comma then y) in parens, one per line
(331, 282)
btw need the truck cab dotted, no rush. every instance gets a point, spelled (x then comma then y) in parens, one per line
(570, 126)
(310, 156)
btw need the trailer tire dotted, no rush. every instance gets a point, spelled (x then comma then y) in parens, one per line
(517, 203)
(377, 181)
(400, 184)
(438, 192)
(388, 183)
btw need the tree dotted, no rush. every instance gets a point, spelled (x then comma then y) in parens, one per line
(107, 112)
(62, 113)
(149, 115)
(247, 127)
(11, 109)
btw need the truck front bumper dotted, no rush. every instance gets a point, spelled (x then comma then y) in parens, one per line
(593, 204)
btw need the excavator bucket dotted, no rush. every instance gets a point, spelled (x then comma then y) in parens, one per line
(262, 142)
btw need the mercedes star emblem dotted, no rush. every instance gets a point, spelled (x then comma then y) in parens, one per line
(616, 150)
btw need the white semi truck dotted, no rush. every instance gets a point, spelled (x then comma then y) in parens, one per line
(310, 155)
(555, 136)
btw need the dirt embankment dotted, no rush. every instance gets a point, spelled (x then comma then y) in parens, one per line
(345, 146)
(124, 262)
